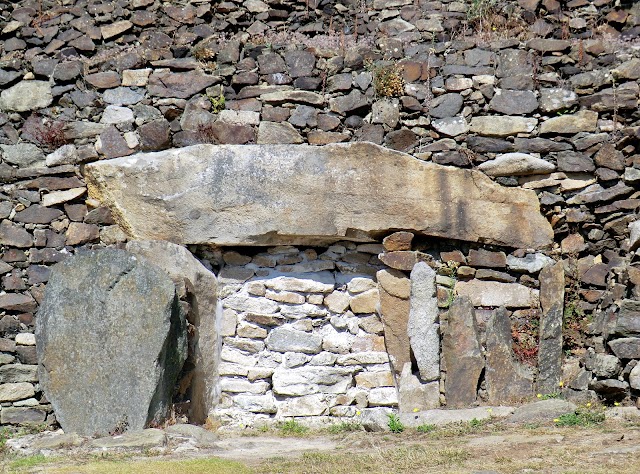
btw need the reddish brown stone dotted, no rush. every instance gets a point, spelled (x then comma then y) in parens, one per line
(79, 233)
(400, 260)
(453, 256)
(103, 80)
(7, 345)
(324, 138)
(596, 275)
(17, 302)
(36, 214)
(113, 145)
(572, 244)
(155, 135)
(609, 157)
(398, 241)
(395, 317)
(54, 184)
(487, 259)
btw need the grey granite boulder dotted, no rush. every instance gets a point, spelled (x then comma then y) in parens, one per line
(111, 341)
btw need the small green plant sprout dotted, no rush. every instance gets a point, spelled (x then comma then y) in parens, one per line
(426, 428)
(582, 417)
(345, 427)
(475, 423)
(450, 269)
(387, 79)
(292, 428)
(548, 396)
(217, 103)
(395, 425)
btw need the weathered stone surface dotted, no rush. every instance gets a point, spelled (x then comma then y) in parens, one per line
(626, 347)
(22, 416)
(308, 380)
(238, 203)
(23, 155)
(14, 236)
(491, 293)
(17, 373)
(414, 395)
(394, 313)
(395, 283)
(180, 264)
(25, 96)
(634, 235)
(513, 102)
(423, 325)
(550, 346)
(445, 417)
(507, 380)
(462, 355)
(502, 125)
(182, 85)
(531, 263)
(583, 121)
(272, 133)
(136, 439)
(542, 411)
(10, 392)
(112, 320)
(286, 339)
(627, 322)
(552, 100)
(516, 164)
(398, 241)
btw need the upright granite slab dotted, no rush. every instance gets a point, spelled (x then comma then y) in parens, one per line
(550, 347)
(507, 380)
(202, 286)
(111, 341)
(288, 194)
(462, 354)
(423, 327)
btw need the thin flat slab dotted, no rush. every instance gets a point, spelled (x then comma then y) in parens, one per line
(299, 194)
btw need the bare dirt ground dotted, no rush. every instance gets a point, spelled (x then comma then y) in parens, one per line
(607, 448)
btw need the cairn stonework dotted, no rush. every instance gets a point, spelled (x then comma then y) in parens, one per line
(292, 177)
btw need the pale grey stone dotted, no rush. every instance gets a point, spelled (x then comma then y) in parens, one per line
(414, 395)
(308, 380)
(116, 115)
(530, 263)
(493, 293)
(451, 126)
(634, 235)
(502, 125)
(23, 155)
(25, 96)
(445, 417)
(10, 392)
(138, 440)
(516, 164)
(543, 411)
(65, 155)
(423, 325)
(286, 339)
(552, 100)
(383, 397)
(309, 405)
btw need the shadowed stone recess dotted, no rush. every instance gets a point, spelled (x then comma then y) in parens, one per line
(111, 341)
(507, 380)
(462, 355)
(287, 194)
(180, 264)
(550, 348)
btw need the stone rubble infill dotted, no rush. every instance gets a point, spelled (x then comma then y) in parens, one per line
(83, 83)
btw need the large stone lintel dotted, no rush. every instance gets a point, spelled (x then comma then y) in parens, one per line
(299, 194)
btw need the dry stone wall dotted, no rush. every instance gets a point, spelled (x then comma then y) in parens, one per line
(541, 95)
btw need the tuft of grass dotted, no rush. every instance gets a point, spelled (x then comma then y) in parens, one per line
(395, 425)
(191, 466)
(345, 427)
(292, 428)
(28, 461)
(426, 428)
(580, 418)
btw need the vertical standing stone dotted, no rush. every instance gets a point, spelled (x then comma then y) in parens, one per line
(180, 264)
(550, 348)
(462, 355)
(394, 313)
(507, 380)
(423, 324)
(414, 395)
